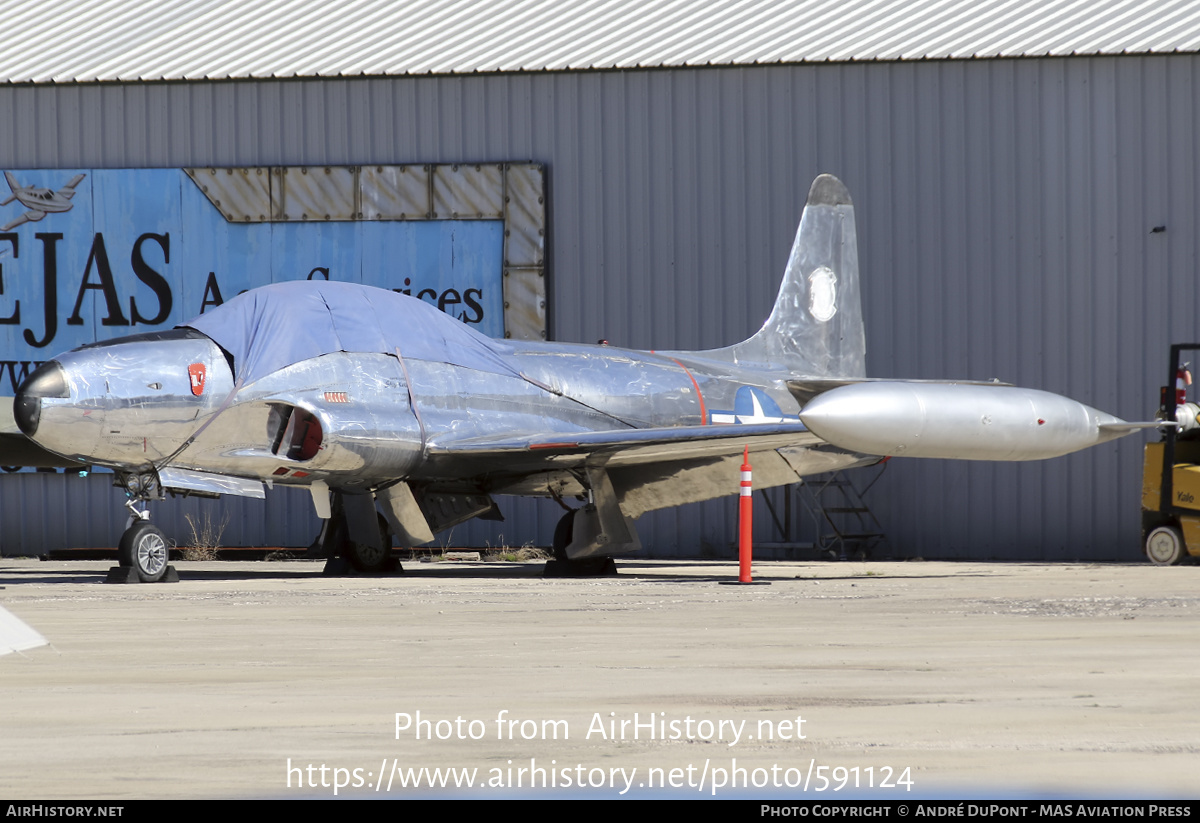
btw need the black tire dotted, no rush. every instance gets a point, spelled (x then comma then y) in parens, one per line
(125, 549)
(562, 535)
(145, 548)
(125, 546)
(369, 559)
(1165, 547)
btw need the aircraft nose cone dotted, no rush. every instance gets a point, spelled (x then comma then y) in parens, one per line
(47, 380)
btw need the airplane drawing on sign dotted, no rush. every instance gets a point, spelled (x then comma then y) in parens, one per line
(39, 201)
(403, 422)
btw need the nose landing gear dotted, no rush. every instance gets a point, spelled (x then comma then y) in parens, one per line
(143, 551)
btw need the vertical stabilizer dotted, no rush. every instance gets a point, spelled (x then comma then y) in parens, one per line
(13, 185)
(816, 328)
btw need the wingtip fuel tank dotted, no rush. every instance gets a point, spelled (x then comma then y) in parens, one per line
(957, 421)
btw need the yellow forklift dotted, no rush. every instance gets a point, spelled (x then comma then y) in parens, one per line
(1171, 473)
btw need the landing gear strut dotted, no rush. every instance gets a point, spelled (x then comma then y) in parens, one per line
(143, 550)
(344, 552)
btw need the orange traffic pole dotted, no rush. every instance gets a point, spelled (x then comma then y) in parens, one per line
(745, 520)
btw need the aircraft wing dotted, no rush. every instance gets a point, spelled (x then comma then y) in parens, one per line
(68, 191)
(621, 447)
(806, 389)
(649, 468)
(16, 635)
(24, 218)
(18, 450)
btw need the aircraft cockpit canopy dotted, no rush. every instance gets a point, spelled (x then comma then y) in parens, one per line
(272, 327)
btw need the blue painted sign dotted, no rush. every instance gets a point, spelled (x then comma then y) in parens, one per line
(88, 255)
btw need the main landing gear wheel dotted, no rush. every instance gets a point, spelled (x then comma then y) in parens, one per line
(562, 535)
(562, 566)
(144, 547)
(368, 559)
(1164, 546)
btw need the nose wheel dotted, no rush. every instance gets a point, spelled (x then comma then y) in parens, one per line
(143, 551)
(144, 548)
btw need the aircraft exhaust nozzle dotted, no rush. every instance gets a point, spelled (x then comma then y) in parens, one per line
(957, 421)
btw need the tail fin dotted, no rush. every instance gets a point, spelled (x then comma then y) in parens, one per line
(13, 185)
(68, 191)
(816, 328)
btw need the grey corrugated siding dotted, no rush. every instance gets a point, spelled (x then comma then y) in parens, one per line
(1004, 215)
(42, 512)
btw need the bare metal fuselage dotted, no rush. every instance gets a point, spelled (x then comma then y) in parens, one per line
(130, 406)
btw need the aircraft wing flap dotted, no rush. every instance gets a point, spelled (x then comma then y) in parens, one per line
(176, 478)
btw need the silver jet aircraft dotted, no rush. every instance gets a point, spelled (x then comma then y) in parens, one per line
(403, 422)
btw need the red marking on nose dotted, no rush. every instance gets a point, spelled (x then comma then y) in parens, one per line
(197, 374)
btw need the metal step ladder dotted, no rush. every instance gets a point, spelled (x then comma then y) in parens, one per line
(846, 529)
(827, 507)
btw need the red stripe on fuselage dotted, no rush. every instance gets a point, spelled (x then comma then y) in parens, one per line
(699, 396)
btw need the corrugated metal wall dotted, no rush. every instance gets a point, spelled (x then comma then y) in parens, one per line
(1004, 211)
(41, 512)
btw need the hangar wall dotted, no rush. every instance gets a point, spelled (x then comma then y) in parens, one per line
(1004, 214)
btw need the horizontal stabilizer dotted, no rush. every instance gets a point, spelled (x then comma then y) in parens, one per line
(1123, 427)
